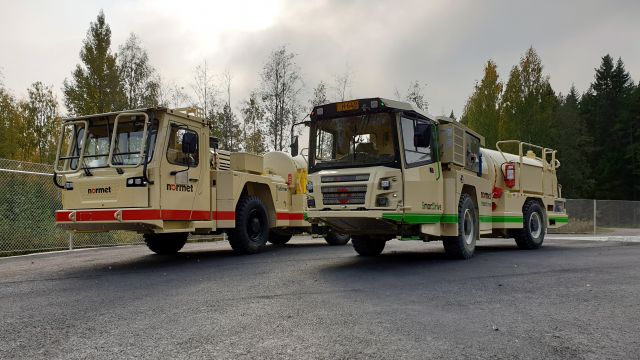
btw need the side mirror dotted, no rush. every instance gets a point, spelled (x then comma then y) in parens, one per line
(422, 135)
(189, 143)
(213, 142)
(294, 146)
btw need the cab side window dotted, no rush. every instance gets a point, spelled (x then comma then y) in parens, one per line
(175, 154)
(417, 140)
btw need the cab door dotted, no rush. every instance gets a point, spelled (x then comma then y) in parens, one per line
(423, 181)
(184, 189)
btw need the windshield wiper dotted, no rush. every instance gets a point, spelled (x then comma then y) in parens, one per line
(87, 171)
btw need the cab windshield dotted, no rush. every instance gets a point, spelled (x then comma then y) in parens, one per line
(362, 140)
(128, 142)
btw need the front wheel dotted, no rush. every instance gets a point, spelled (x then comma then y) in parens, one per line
(165, 244)
(463, 246)
(335, 238)
(252, 226)
(533, 227)
(368, 245)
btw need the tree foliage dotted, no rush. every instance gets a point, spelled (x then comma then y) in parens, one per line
(607, 108)
(482, 111)
(139, 80)
(95, 85)
(252, 120)
(281, 84)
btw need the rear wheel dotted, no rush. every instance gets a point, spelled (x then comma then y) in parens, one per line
(278, 238)
(252, 226)
(534, 227)
(463, 246)
(335, 238)
(368, 245)
(165, 244)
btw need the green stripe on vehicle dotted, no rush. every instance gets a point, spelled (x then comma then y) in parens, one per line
(507, 219)
(306, 217)
(447, 218)
(560, 219)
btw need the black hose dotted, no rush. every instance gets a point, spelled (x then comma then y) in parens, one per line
(55, 181)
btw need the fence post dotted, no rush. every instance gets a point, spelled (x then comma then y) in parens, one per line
(594, 216)
(70, 240)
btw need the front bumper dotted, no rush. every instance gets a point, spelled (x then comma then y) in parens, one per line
(357, 222)
(100, 220)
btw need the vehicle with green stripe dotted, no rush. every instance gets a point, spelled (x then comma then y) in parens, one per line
(381, 169)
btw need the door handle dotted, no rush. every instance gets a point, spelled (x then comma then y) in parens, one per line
(193, 180)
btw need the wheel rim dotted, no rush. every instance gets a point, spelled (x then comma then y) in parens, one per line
(535, 225)
(468, 230)
(255, 225)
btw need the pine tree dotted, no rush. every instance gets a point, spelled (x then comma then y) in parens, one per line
(95, 84)
(572, 141)
(482, 111)
(606, 107)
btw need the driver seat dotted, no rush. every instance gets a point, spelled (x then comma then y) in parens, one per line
(368, 148)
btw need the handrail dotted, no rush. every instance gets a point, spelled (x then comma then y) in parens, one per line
(73, 143)
(115, 135)
(552, 165)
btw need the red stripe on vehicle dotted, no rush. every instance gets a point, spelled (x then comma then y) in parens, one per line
(184, 215)
(200, 215)
(224, 215)
(96, 215)
(288, 216)
(131, 215)
(62, 216)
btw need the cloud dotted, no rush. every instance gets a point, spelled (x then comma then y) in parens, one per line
(387, 44)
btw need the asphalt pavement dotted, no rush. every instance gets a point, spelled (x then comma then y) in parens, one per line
(572, 299)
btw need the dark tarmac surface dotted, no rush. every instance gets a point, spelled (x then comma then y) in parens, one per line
(570, 299)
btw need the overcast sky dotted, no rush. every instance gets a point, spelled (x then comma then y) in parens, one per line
(386, 44)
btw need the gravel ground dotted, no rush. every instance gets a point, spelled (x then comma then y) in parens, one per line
(570, 299)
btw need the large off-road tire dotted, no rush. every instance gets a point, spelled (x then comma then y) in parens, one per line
(534, 227)
(463, 246)
(252, 226)
(279, 238)
(368, 245)
(335, 238)
(165, 244)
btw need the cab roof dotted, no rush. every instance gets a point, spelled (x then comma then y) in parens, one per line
(186, 113)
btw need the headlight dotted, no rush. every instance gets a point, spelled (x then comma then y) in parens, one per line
(382, 201)
(385, 184)
(309, 187)
(137, 181)
(311, 203)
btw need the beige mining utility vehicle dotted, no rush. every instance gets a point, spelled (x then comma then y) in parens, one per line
(381, 169)
(158, 172)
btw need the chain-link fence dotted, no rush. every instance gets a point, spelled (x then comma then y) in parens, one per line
(601, 216)
(28, 200)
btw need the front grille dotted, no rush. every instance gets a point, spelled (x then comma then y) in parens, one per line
(344, 195)
(344, 178)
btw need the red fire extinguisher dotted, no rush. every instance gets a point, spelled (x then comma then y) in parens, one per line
(510, 174)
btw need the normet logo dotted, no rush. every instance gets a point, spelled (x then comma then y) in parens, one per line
(176, 187)
(100, 190)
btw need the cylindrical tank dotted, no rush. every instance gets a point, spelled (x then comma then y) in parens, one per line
(293, 170)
